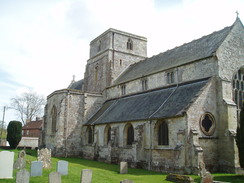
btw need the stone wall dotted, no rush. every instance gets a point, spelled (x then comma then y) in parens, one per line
(66, 139)
(193, 71)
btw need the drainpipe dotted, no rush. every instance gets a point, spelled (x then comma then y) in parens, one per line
(150, 145)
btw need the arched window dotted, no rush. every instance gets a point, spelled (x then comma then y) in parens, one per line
(207, 124)
(107, 134)
(238, 88)
(129, 44)
(163, 134)
(129, 134)
(54, 118)
(90, 135)
(96, 73)
(99, 46)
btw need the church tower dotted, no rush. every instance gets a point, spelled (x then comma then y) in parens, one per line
(110, 54)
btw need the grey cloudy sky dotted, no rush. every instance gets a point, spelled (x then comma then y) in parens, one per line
(44, 42)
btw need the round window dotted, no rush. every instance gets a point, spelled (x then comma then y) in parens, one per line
(207, 124)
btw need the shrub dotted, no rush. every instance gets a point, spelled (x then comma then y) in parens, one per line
(14, 133)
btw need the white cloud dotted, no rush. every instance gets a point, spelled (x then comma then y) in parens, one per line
(44, 43)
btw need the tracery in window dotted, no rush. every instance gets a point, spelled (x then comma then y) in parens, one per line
(129, 44)
(207, 124)
(238, 89)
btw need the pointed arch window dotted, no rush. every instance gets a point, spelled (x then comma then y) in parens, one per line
(163, 134)
(129, 44)
(89, 135)
(54, 118)
(99, 46)
(238, 88)
(129, 134)
(107, 134)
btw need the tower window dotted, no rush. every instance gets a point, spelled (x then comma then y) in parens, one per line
(99, 46)
(129, 44)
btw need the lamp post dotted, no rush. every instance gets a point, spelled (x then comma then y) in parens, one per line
(2, 125)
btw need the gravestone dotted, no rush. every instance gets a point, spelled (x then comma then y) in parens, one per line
(126, 181)
(207, 178)
(6, 164)
(36, 168)
(62, 167)
(23, 176)
(44, 155)
(86, 176)
(20, 162)
(179, 178)
(123, 167)
(54, 177)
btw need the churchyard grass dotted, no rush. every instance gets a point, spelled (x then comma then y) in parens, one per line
(104, 173)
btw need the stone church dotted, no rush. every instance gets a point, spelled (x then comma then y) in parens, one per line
(169, 113)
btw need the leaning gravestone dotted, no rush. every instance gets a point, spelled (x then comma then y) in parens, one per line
(20, 162)
(62, 167)
(86, 176)
(23, 176)
(54, 177)
(36, 168)
(6, 164)
(123, 167)
(44, 155)
(126, 181)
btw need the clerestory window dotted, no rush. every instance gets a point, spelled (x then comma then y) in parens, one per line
(129, 44)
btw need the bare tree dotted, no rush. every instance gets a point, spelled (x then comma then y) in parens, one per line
(28, 105)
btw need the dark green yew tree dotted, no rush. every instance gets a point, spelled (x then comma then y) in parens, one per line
(14, 133)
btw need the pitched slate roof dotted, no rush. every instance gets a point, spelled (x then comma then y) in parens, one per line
(162, 103)
(189, 52)
(33, 125)
(77, 85)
